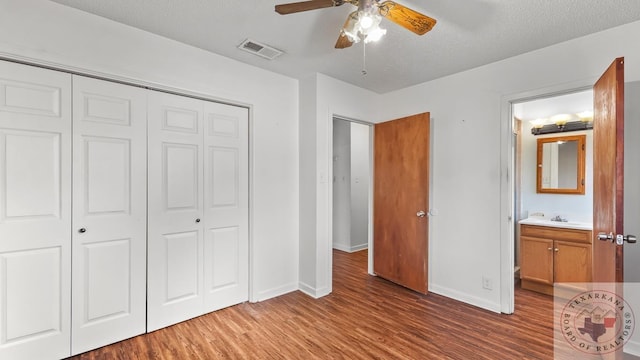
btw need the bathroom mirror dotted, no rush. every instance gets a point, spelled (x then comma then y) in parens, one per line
(561, 165)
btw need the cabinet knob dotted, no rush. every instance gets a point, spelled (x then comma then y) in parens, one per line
(198, 220)
(556, 249)
(82, 230)
(549, 249)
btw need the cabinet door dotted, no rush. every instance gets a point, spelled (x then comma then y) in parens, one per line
(35, 213)
(109, 213)
(226, 252)
(175, 192)
(537, 260)
(572, 262)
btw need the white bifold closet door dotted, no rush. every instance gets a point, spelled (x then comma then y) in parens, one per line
(35, 213)
(109, 213)
(175, 210)
(198, 208)
(226, 206)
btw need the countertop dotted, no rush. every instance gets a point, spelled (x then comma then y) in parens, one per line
(578, 225)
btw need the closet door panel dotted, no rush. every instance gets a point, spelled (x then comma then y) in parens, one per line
(35, 212)
(226, 206)
(107, 176)
(181, 253)
(180, 174)
(32, 168)
(109, 213)
(175, 279)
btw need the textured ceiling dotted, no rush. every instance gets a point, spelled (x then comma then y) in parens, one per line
(469, 33)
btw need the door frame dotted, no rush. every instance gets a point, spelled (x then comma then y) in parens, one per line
(507, 181)
(330, 193)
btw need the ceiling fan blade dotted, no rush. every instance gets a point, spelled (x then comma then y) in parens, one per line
(291, 8)
(343, 40)
(407, 18)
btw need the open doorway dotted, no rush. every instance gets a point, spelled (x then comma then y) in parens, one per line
(539, 186)
(351, 185)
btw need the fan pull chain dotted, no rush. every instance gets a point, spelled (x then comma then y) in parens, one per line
(364, 58)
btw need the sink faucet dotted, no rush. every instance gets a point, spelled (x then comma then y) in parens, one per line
(558, 218)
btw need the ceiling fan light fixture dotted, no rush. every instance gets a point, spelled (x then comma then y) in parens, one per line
(367, 20)
(351, 29)
(362, 25)
(375, 34)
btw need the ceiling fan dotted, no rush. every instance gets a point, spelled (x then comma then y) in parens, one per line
(362, 24)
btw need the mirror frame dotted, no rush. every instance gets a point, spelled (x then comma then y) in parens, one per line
(580, 181)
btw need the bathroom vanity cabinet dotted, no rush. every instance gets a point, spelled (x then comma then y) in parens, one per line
(552, 255)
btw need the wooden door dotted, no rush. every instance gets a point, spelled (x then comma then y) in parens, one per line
(608, 172)
(226, 211)
(109, 213)
(537, 260)
(401, 198)
(608, 181)
(35, 213)
(175, 231)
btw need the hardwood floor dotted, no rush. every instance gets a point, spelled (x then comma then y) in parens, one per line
(364, 318)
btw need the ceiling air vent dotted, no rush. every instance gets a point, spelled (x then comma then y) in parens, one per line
(262, 50)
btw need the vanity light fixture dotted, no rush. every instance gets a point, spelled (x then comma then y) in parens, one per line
(562, 123)
(538, 123)
(586, 116)
(561, 120)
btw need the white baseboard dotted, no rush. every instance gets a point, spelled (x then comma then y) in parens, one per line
(632, 348)
(360, 247)
(350, 249)
(465, 298)
(341, 247)
(275, 292)
(313, 292)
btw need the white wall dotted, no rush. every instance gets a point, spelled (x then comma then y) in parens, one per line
(632, 205)
(290, 178)
(470, 143)
(48, 33)
(321, 99)
(470, 140)
(572, 207)
(632, 184)
(308, 245)
(360, 174)
(341, 185)
(351, 172)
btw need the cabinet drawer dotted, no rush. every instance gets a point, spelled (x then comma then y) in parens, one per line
(583, 236)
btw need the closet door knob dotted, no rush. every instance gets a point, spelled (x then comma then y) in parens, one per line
(198, 220)
(82, 230)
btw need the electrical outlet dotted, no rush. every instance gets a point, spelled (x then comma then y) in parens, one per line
(487, 283)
